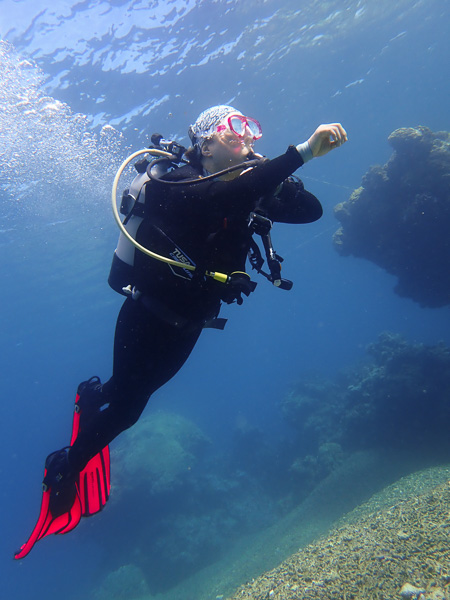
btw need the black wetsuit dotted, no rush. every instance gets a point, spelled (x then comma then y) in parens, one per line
(156, 332)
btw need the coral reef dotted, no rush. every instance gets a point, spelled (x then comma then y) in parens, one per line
(400, 217)
(125, 583)
(309, 407)
(160, 452)
(402, 399)
(398, 401)
(309, 470)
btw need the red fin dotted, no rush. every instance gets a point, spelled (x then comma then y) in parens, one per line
(94, 483)
(93, 487)
(47, 524)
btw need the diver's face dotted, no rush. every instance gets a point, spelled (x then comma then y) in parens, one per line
(226, 149)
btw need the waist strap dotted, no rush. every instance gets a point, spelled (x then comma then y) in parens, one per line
(166, 314)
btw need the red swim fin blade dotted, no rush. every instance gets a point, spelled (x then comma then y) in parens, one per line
(47, 524)
(94, 484)
(93, 488)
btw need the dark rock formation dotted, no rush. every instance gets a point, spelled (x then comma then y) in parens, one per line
(400, 217)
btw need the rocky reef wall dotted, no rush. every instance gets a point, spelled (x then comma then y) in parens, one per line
(399, 218)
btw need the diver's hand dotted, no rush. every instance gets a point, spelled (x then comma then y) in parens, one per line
(326, 138)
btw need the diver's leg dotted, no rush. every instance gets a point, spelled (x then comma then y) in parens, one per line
(147, 353)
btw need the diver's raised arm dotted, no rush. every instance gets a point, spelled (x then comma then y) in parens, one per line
(325, 138)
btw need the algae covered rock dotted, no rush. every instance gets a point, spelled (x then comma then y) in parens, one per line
(125, 583)
(399, 218)
(309, 470)
(159, 452)
(402, 398)
(399, 398)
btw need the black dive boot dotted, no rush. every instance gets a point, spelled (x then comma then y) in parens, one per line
(89, 401)
(60, 479)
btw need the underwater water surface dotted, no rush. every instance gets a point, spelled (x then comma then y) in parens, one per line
(82, 86)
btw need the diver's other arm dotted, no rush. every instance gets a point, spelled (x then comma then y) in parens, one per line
(325, 138)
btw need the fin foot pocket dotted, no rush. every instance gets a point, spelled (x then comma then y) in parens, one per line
(60, 480)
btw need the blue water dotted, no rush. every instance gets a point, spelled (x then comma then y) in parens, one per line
(69, 74)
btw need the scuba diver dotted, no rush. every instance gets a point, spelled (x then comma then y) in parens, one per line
(190, 218)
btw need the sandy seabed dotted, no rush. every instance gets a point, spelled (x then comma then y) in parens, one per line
(379, 551)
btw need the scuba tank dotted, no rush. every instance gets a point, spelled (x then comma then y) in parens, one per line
(121, 275)
(167, 156)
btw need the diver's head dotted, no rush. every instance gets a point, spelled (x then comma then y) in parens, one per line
(223, 137)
